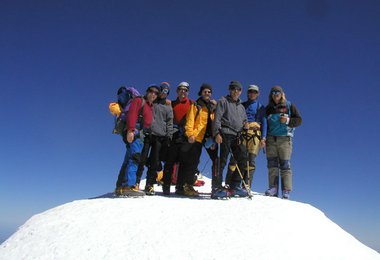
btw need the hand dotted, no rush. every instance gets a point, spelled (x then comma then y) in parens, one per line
(284, 118)
(262, 143)
(218, 139)
(246, 125)
(130, 136)
(254, 126)
(191, 139)
(213, 101)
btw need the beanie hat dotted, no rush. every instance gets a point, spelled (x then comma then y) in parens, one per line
(253, 88)
(184, 84)
(153, 86)
(165, 85)
(276, 88)
(204, 86)
(235, 84)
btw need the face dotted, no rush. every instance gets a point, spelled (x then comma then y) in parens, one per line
(182, 92)
(152, 94)
(253, 94)
(235, 93)
(276, 96)
(206, 94)
(164, 93)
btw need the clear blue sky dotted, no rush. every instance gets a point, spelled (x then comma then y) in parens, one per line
(62, 61)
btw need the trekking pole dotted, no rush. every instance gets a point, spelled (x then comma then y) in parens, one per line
(248, 189)
(217, 172)
(247, 153)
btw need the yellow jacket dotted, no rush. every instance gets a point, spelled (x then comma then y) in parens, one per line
(196, 122)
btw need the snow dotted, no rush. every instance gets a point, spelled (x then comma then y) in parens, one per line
(159, 227)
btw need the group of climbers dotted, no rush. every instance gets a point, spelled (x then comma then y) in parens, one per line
(164, 135)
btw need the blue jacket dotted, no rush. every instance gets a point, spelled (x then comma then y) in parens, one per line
(256, 113)
(276, 128)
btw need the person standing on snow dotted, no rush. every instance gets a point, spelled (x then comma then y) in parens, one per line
(198, 126)
(161, 131)
(180, 107)
(138, 120)
(230, 119)
(254, 137)
(283, 117)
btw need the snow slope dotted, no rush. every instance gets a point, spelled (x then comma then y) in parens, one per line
(180, 228)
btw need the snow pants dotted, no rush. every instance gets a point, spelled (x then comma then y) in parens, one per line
(230, 143)
(127, 174)
(143, 158)
(188, 164)
(279, 151)
(157, 154)
(172, 157)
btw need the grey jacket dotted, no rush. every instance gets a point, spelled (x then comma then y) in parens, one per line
(230, 117)
(162, 124)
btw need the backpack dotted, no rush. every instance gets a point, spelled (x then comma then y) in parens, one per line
(120, 108)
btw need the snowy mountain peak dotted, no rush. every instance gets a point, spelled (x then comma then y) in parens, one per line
(160, 227)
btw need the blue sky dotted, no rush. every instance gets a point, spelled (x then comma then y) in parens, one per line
(62, 61)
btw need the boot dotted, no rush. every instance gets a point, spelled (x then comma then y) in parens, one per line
(189, 191)
(149, 190)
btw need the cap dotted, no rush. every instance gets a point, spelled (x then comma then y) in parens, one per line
(153, 86)
(203, 87)
(276, 88)
(235, 84)
(165, 85)
(253, 88)
(183, 84)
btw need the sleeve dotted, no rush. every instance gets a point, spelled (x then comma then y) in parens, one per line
(244, 114)
(264, 124)
(217, 123)
(190, 117)
(133, 113)
(295, 118)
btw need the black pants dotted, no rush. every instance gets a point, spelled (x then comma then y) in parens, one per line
(213, 154)
(172, 157)
(143, 158)
(188, 164)
(230, 143)
(157, 154)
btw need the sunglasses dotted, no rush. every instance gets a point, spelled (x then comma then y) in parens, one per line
(165, 91)
(275, 92)
(183, 89)
(153, 91)
(252, 91)
(235, 89)
(206, 91)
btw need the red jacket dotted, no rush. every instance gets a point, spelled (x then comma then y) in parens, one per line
(134, 111)
(180, 109)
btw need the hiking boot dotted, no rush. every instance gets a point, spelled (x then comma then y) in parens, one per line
(237, 192)
(149, 190)
(166, 189)
(271, 192)
(219, 194)
(285, 194)
(128, 191)
(189, 191)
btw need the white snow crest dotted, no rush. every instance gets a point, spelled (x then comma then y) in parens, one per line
(180, 228)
